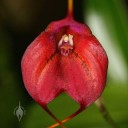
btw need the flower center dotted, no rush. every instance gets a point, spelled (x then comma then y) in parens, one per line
(65, 45)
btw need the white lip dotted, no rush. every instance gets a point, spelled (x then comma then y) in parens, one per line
(66, 38)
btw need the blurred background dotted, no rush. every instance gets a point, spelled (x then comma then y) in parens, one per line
(22, 20)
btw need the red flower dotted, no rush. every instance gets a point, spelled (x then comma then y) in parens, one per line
(68, 58)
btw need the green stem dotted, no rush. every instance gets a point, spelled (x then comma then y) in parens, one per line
(99, 103)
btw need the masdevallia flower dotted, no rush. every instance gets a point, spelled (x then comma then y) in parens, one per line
(66, 57)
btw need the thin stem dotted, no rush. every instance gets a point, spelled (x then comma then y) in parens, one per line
(68, 118)
(51, 114)
(70, 8)
(99, 103)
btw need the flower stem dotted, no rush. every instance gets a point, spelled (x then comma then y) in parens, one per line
(68, 118)
(51, 114)
(70, 8)
(99, 103)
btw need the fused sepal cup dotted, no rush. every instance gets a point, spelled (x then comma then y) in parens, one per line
(66, 57)
(80, 71)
